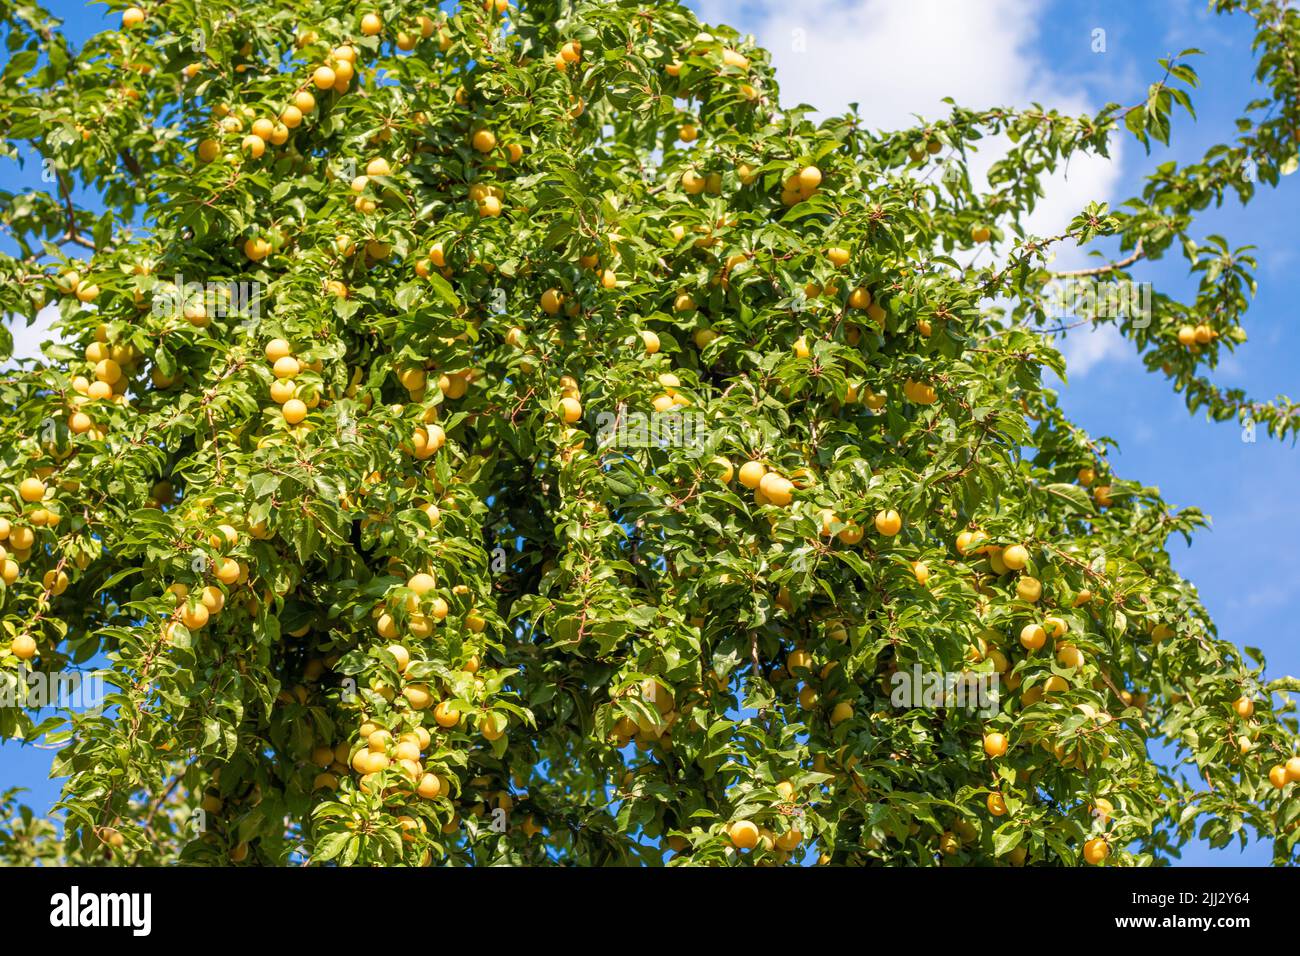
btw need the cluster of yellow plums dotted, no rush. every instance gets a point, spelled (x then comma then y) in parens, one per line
(285, 367)
(569, 55)
(1284, 773)
(18, 540)
(1191, 336)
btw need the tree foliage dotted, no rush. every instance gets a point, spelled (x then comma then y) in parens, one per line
(383, 550)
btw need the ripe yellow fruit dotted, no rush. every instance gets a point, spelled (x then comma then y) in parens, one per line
(851, 533)
(446, 715)
(257, 248)
(1029, 589)
(778, 489)
(1278, 776)
(56, 583)
(420, 698)
(889, 523)
(1095, 851)
(979, 233)
(107, 370)
(1055, 685)
(385, 626)
(743, 834)
(304, 101)
(421, 583)
(227, 570)
(323, 78)
(809, 178)
(23, 647)
(693, 183)
(213, 599)
(552, 301)
(798, 660)
(650, 340)
(1245, 707)
(995, 744)
(1293, 768)
(286, 366)
(294, 411)
(208, 150)
(1067, 655)
(1033, 637)
(1086, 476)
(570, 410)
(1187, 335)
(132, 17)
(751, 474)
(194, 616)
(277, 349)
(283, 389)
(996, 804)
(401, 655)
(426, 441)
(838, 255)
(429, 786)
(920, 392)
(493, 725)
(1015, 557)
(371, 24)
(800, 348)
(31, 489)
(841, 712)
(484, 141)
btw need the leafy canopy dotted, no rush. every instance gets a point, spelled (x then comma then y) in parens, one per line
(512, 435)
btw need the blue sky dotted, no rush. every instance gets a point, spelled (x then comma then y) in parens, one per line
(899, 57)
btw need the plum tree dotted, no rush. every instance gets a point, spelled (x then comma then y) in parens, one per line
(372, 552)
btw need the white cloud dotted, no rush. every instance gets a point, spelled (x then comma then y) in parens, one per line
(898, 59)
(28, 339)
(1087, 347)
